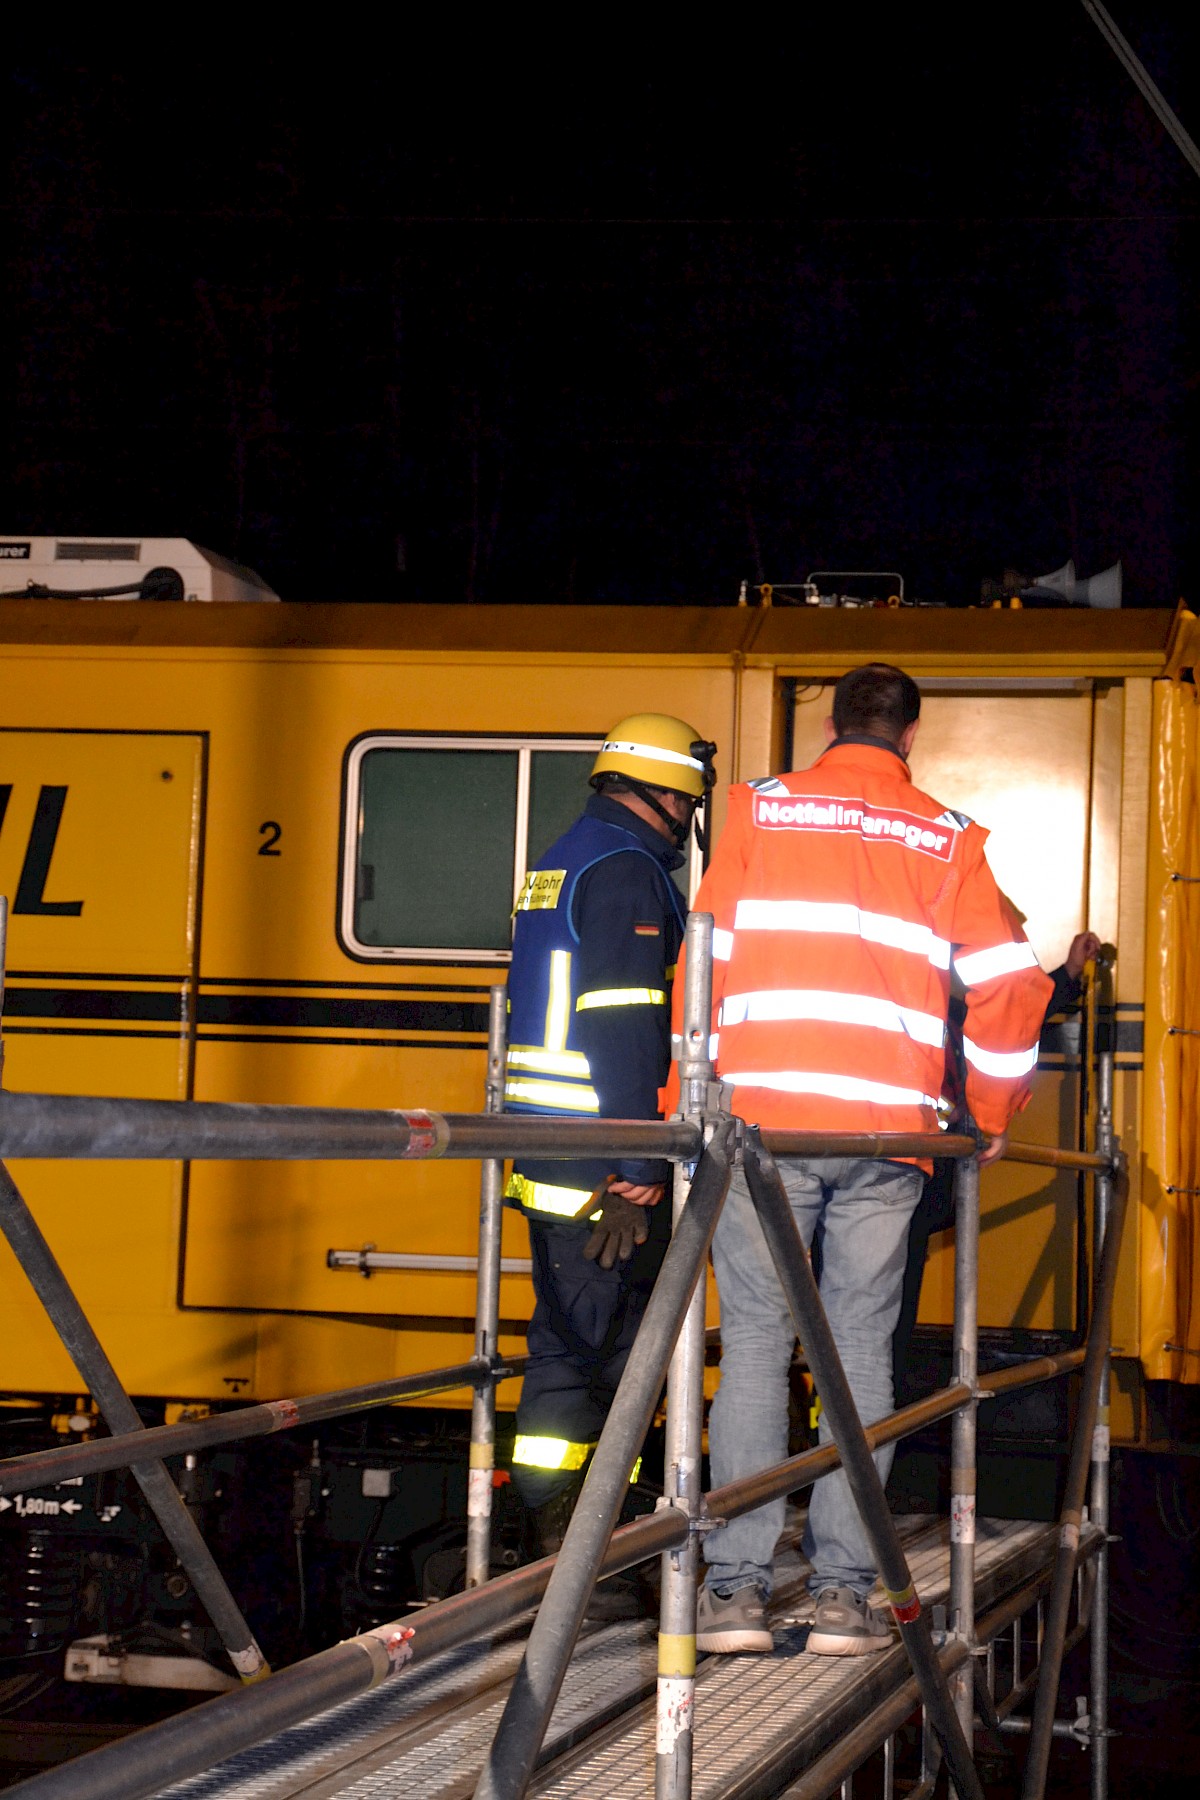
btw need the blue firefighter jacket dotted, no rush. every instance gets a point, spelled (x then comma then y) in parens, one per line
(597, 932)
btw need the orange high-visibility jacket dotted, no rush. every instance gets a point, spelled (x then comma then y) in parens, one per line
(840, 895)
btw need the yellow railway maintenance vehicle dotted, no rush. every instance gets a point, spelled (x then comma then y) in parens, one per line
(269, 853)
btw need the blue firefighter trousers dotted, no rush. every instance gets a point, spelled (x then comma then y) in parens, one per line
(582, 1330)
(862, 1210)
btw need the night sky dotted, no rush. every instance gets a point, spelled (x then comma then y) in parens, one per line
(518, 315)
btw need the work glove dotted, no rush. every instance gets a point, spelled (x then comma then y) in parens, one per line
(618, 1231)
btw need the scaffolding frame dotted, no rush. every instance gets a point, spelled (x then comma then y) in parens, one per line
(953, 1672)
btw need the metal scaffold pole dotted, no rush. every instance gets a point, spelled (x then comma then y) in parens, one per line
(1099, 1488)
(99, 1127)
(962, 1433)
(487, 1315)
(799, 1285)
(45, 1468)
(685, 1410)
(1082, 1462)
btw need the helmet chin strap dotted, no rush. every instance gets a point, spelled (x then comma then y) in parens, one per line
(678, 828)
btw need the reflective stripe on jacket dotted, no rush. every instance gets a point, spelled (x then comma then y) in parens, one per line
(597, 927)
(841, 897)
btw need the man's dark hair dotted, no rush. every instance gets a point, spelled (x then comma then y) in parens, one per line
(875, 701)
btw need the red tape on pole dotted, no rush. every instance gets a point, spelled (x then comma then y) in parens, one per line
(905, 1607)
(422, 1140)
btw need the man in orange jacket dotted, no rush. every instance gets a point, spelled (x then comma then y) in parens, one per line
(840, 896)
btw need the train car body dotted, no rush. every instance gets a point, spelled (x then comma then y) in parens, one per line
(269, 854)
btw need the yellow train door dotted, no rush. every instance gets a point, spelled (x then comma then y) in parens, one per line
(100, 843)
(1017, 756)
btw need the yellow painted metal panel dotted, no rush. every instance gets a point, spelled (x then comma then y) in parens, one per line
(1130, 1108)
(1127, 1100)
(791, 639)
(759, 724)
(1170, 1288)
(1027, 1229)
(81, 1017)
(817, 642)
(1183, 644)
(1126, 1401)
(258, 1233)
(1135, 805)
(117, 819)
(1104, 831)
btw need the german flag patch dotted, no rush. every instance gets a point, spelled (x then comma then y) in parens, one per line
(647, 930)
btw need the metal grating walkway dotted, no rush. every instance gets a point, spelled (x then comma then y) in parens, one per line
(425, 1736)
(762, 1719)
(759, 1720)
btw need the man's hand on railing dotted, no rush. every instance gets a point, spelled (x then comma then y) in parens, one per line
(993, 1150)
(1085, 947)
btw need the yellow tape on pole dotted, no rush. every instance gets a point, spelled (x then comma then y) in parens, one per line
(676, 1654)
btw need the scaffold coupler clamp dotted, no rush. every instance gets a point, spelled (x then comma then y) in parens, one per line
(715, 1111)
(969, 1128)
(1083, 1729)
(699, 1523)
(718, 1110)
(718, 1100)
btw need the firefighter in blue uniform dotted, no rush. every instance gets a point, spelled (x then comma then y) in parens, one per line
(597, 932)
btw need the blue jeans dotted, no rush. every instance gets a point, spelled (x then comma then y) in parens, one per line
(863, 1210)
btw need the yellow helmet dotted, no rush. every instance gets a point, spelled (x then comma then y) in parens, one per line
(659, 751)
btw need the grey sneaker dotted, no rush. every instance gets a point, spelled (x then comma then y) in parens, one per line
(736, 1621)
(846, 1626)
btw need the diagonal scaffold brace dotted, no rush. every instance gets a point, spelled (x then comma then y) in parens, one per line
(57, 1296)
(799, 1285)
(87, 1353)
(552, 1640)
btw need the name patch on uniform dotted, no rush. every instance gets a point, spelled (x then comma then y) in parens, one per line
(823, 813)
(540, 890)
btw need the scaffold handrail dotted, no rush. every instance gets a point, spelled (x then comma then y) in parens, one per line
(1045, 1156)
(100, 1127)
(42, 1468)
(95, 1127)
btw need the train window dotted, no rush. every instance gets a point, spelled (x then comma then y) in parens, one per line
(436, 840)
(439, 834)
(557, 791)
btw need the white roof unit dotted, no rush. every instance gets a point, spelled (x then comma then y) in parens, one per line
(113, 568)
